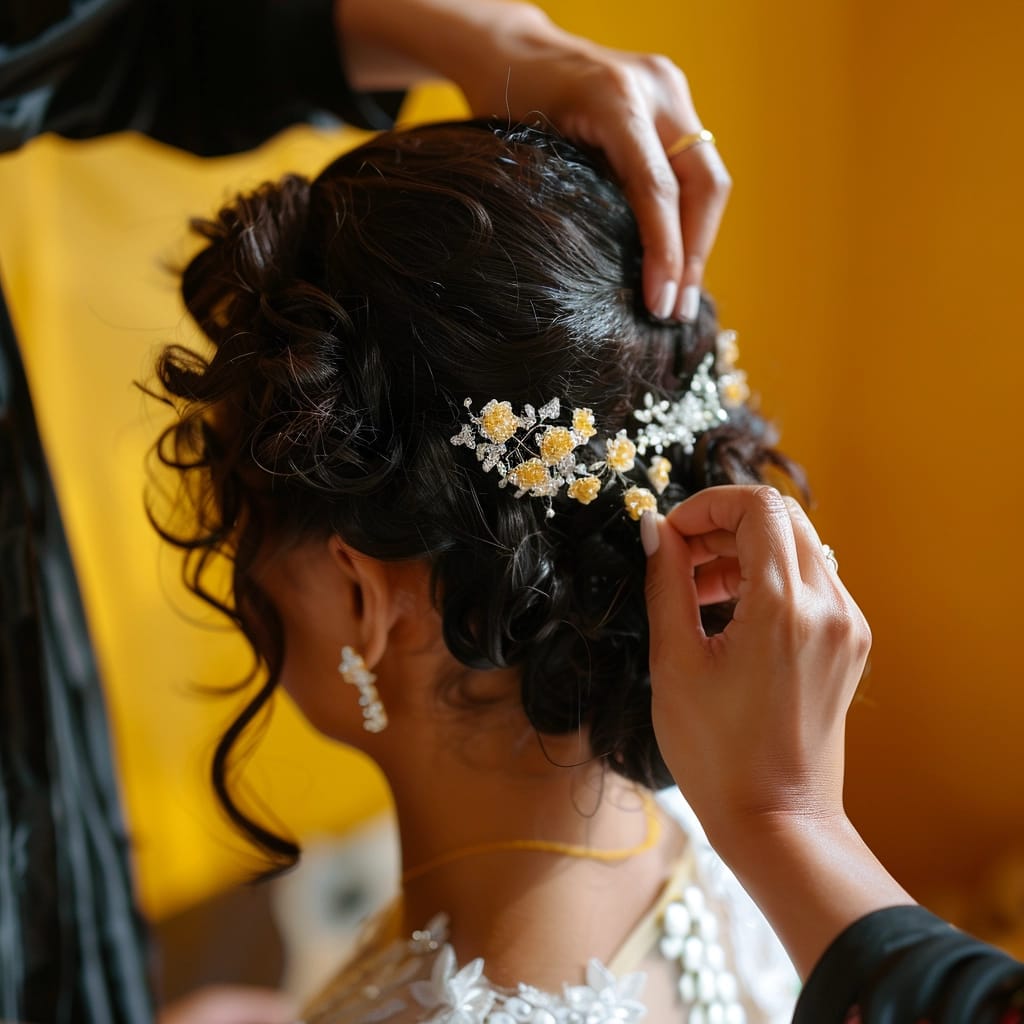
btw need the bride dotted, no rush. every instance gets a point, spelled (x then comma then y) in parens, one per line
(431, 416)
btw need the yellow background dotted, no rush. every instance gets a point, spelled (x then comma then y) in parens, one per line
(870, 260)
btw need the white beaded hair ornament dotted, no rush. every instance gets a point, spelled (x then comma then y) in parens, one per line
(538, 457)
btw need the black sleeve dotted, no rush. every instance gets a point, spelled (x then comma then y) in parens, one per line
(904, 964)
(210, 76)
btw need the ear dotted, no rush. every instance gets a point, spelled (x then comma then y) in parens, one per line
(372, 595)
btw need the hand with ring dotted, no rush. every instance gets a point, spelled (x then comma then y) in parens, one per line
(751, 721)
(511, 61)
(637, 109)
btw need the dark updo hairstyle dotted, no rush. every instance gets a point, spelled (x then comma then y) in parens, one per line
(350, 316)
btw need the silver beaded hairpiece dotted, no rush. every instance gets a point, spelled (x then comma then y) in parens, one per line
(539, 457)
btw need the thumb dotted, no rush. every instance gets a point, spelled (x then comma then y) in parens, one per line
(673, 609)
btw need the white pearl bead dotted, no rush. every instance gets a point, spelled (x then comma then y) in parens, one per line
(542, 1016)
(708, 926)
(694, 899)
(693, 953)
(706, 987)
(697, 1016)
(687, 988)
(500, 1017)
(735, 1014)
(671, 947)
(716, 1014)
(727, 987)
(677, 919)
(715, 957)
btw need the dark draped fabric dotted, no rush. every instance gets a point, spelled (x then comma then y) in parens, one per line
(72, 945)
(904, 965)
(210, 76)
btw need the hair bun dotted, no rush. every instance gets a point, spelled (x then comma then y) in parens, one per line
(254, 254)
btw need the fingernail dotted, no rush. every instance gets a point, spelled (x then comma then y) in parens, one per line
(667, 300)
(649, 533)
(689, 306)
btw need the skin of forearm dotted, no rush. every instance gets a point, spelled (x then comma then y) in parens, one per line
(812, 876)
(389, 44)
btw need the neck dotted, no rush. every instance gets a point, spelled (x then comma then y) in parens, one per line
(476, 773)
(482, 778)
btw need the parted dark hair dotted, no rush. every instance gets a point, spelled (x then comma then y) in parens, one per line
(349, 318)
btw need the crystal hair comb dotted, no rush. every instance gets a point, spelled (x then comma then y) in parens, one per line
(538, 457)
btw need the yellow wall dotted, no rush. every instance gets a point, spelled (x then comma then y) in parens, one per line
(870, 262)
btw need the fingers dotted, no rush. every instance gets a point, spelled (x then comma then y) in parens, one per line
(708, 546)
(692, 189)
(814, 568)
(846, 620)
(632, 107)
(718, 581)
(638, 159)
(678, 206)
(673, 608)
(760, 521)
(704, 188)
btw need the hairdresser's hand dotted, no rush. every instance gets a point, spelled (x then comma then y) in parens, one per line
(751, 721)
(510, 60)
(229, 1004)
(633, 107)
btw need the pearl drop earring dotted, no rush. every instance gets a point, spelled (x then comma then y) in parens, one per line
(353, 670)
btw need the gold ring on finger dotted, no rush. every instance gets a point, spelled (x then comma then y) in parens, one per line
(688, 141)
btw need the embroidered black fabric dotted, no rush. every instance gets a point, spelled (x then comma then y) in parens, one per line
(903, 965)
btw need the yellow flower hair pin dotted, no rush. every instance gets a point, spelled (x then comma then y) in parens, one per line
(732, 383)
(538, 457)
(531, 453)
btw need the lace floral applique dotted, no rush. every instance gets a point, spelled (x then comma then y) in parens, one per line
(461, 997)
(605, 998)
(465, 996)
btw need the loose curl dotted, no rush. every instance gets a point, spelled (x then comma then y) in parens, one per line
(349, 317)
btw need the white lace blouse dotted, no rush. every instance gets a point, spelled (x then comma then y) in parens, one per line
(703, 954)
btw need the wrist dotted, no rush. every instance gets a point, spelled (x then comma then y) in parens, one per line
(810, 872)
(467, 43)
(736, 835)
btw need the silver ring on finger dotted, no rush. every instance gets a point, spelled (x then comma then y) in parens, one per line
(830, 557)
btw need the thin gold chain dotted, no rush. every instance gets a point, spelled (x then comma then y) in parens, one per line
(548, 846)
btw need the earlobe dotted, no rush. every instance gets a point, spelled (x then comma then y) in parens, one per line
(374, 607)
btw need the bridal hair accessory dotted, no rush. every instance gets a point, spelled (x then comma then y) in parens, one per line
(688, 141)
(353, 670)
(538, 457)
